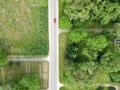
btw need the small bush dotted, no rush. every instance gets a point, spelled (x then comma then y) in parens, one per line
(65, 23)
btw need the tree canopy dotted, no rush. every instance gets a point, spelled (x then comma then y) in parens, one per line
(97, 43)
(76, 36)
(30, 82)
(103, 11)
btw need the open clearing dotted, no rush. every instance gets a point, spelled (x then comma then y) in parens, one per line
(15, 70)
(24, 25)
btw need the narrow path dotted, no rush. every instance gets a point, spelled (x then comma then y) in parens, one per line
(89, 30)
(28, 59)
(63, 31)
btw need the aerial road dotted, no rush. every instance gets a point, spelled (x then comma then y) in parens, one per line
(53, 45)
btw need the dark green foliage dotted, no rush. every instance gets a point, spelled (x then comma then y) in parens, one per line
(30, 82)
(72, 51)
(115, 76)
(65, 23)
(76, 23)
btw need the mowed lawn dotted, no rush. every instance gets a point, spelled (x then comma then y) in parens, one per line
(15, 70)
(24, 26)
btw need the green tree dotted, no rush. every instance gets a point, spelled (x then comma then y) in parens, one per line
(94, 45)
(72, 51)
(65, 23)
(110, 60)
(76, 36)
(30, 82)
(91, 55)
(97, 43)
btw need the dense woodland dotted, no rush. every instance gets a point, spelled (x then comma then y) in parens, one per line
(91, 55)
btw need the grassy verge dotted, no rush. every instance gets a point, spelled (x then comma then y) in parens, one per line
(15, 70)
(62, 48)
(24, 25)
(61, 7)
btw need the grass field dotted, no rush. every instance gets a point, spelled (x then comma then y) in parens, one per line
(15, 70)
(24, 25)
(62, 48)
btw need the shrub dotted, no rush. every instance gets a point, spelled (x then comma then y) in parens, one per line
(65, 23)
(30, 82)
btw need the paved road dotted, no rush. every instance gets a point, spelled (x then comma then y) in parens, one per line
(53, 46)
(28, 59)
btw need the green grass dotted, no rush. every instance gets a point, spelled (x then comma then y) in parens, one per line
(24, 24)
(15, 70)
(61, 7)
(62, 50)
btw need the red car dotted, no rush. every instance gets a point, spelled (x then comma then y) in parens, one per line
(54, 20)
